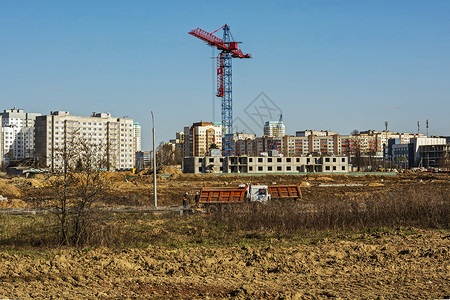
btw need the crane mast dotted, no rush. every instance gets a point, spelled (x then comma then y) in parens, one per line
(229, 49)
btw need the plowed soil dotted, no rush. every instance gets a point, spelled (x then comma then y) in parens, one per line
(401, 264)
(379, 266)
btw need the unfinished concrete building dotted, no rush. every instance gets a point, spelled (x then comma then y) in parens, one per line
(266, 164)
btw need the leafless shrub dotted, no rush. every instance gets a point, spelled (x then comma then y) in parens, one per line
(76, 181)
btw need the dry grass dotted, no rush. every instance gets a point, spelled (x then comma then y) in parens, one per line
(418, 207)
(240, 224)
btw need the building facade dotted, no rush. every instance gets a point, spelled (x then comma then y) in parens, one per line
(115, 135)
(419, 152)
(137, 137)
(265, 164)
(274, 128)
(199, 137)
(18, 134)
(143, 159)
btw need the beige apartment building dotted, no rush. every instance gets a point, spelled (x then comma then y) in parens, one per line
(114, 135)
(322, 142)
(199, 137)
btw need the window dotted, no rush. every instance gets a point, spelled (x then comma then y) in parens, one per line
(269, 159)
(260, 159)
(279, 159)
(327, 159)
(288, 159)
(343, 168)
(297, 159)
(250, 159)
(250, 168)
(327, 168)
(334, 159)
(288, 168)
(343, 159)
(279, 168)
(269, 168)
(211, 160)
(334, 168)
(260, 168)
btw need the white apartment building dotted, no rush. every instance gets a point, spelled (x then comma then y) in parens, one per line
(17, 138)
(114, 135)
(274, 128)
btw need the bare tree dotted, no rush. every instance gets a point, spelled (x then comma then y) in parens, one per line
(444, 162)
(78, 180)
(167, 155)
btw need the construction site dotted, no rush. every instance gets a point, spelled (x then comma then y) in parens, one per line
(227, 227)
(234, 253)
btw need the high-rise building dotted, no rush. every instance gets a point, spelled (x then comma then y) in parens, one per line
(143, 159)
(114, 135)
(199, 137)
(178, 142)
(137, 137)
(274, 128)
(17, 134)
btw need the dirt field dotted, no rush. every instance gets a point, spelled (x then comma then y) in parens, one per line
(402, 263)
(391, 265)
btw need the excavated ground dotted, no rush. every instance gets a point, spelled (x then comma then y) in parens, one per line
(127, 189)
(390, 265)
(399, 264)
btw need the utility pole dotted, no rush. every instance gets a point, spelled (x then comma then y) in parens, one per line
(154, 163)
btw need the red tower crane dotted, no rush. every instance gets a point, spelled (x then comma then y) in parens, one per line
(229, 49)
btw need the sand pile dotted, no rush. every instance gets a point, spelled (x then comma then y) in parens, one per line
(9, 190)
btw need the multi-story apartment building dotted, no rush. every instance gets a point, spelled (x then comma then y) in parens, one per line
(137, 137)
(378, 140)
(243, 136)
(178, 142)
(17, 140)
(274, 128)
(314, 133)
(143, 159)
(114, 135)
(199, 137)
(325, 143)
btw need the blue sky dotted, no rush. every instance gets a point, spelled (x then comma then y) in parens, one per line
(336, 65)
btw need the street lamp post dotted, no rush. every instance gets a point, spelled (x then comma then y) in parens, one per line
(154, 163)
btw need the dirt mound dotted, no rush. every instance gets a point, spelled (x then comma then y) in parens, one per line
(8, 189)
(324, 178)
(170, 170)
(13, 203)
